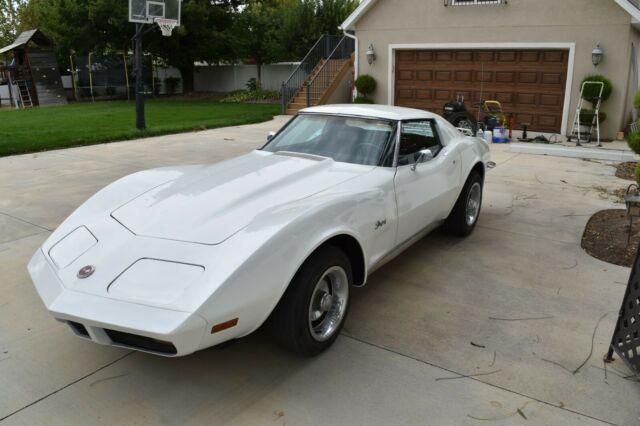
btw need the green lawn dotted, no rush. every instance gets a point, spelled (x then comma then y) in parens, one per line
(41, 129)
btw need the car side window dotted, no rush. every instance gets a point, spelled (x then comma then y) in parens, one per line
(416, 136)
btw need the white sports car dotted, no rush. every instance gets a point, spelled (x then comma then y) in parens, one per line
(173, 260)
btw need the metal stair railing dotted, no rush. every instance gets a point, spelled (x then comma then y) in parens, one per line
(325, 75)
(320, 50)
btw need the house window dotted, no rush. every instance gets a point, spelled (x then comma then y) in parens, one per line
(473, 2)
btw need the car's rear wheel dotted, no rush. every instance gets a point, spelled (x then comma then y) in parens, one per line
(464, 216)
(312, 311)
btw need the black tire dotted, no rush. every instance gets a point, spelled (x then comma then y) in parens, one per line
(464, 121)
(457, 223)
(290, 323)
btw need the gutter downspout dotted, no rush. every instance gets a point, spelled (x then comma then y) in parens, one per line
(355, 62)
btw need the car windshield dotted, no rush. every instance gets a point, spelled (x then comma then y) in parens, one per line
(345, 139)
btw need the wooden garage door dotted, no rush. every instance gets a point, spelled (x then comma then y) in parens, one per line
(528, 83)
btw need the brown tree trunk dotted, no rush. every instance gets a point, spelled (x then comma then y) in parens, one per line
(187, 71)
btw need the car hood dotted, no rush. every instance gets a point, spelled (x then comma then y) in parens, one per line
(209, 204)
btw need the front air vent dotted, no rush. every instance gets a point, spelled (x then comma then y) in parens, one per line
(140, 342)
(78, 328)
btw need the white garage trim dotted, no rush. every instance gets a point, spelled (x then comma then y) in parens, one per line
(571, 47)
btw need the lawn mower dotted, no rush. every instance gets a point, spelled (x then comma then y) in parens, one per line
(490, 117)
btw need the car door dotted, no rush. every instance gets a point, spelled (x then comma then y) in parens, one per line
(425, 192)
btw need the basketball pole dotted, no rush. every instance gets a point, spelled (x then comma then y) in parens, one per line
(140, 121)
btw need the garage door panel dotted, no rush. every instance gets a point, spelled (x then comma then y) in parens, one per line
(405, 94)
(424, 94)
(444, 56)
(528, 77)
(548, 120)
(554, 56)
(406, 56)
(484, 76)
(443, 76)
(425, 75)
(529, 83)
(504, 98)
(484, 56)
(505, 77)
(506, 56)
(443, 95)
(423, 56)
(464, 56)
(549, 100)
(526, 98)
(551, 78)
(464, 76)
(529, 56)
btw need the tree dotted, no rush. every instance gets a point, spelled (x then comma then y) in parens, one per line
(257, 30)
(305, 21)
(10, 20)
(85, 26)
(205, 35)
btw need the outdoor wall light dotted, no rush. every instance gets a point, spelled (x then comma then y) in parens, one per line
(371, 54)
(596, 55)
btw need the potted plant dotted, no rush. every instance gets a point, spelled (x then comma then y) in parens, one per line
(366, 85)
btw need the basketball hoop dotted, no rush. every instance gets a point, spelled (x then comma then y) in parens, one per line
(166, 25)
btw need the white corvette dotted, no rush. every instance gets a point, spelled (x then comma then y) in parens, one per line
(177, 259)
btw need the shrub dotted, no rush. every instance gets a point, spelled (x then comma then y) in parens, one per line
(633, 140)
(636, 100)
(587, 114)
(362, 100)
(366, 84)
(239, 96)
(638, 173)
(252, 84)
(592, 91)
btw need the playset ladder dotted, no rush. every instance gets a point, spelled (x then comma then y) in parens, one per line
(25, 96)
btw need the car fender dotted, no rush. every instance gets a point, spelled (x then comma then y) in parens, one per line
(273, 248)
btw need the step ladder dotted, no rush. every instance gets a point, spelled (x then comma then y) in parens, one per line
(24, 94)
(586, 120)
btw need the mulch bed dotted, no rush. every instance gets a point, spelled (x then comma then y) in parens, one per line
(626, 170)
(605, 237)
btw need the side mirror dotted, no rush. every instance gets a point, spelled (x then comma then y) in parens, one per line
(425, 155)
(270, 136)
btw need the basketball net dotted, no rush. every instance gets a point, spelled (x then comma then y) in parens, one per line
(166, 25)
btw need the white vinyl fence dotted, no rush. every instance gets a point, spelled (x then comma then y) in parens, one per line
(226, 78)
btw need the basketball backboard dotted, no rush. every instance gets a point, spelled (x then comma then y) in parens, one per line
(146, 11)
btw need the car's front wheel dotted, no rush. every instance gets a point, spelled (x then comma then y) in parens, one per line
(311, 313)
(466, 211)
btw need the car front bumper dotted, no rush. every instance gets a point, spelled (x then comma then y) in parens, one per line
(114, 322)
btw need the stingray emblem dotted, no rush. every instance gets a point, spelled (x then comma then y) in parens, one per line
(380, 224)
(86, 271)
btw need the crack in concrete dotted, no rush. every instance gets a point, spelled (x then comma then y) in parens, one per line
(475, 379)
(31, 404)
(26, 221)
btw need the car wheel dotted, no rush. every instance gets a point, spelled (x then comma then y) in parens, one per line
(465, 213)
(313, 309)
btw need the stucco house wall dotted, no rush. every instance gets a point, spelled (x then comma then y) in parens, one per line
(580, 24)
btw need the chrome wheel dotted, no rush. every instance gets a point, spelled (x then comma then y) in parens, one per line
(328, 303)
(473, 203)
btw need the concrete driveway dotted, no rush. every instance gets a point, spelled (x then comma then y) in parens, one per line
(508, 326)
